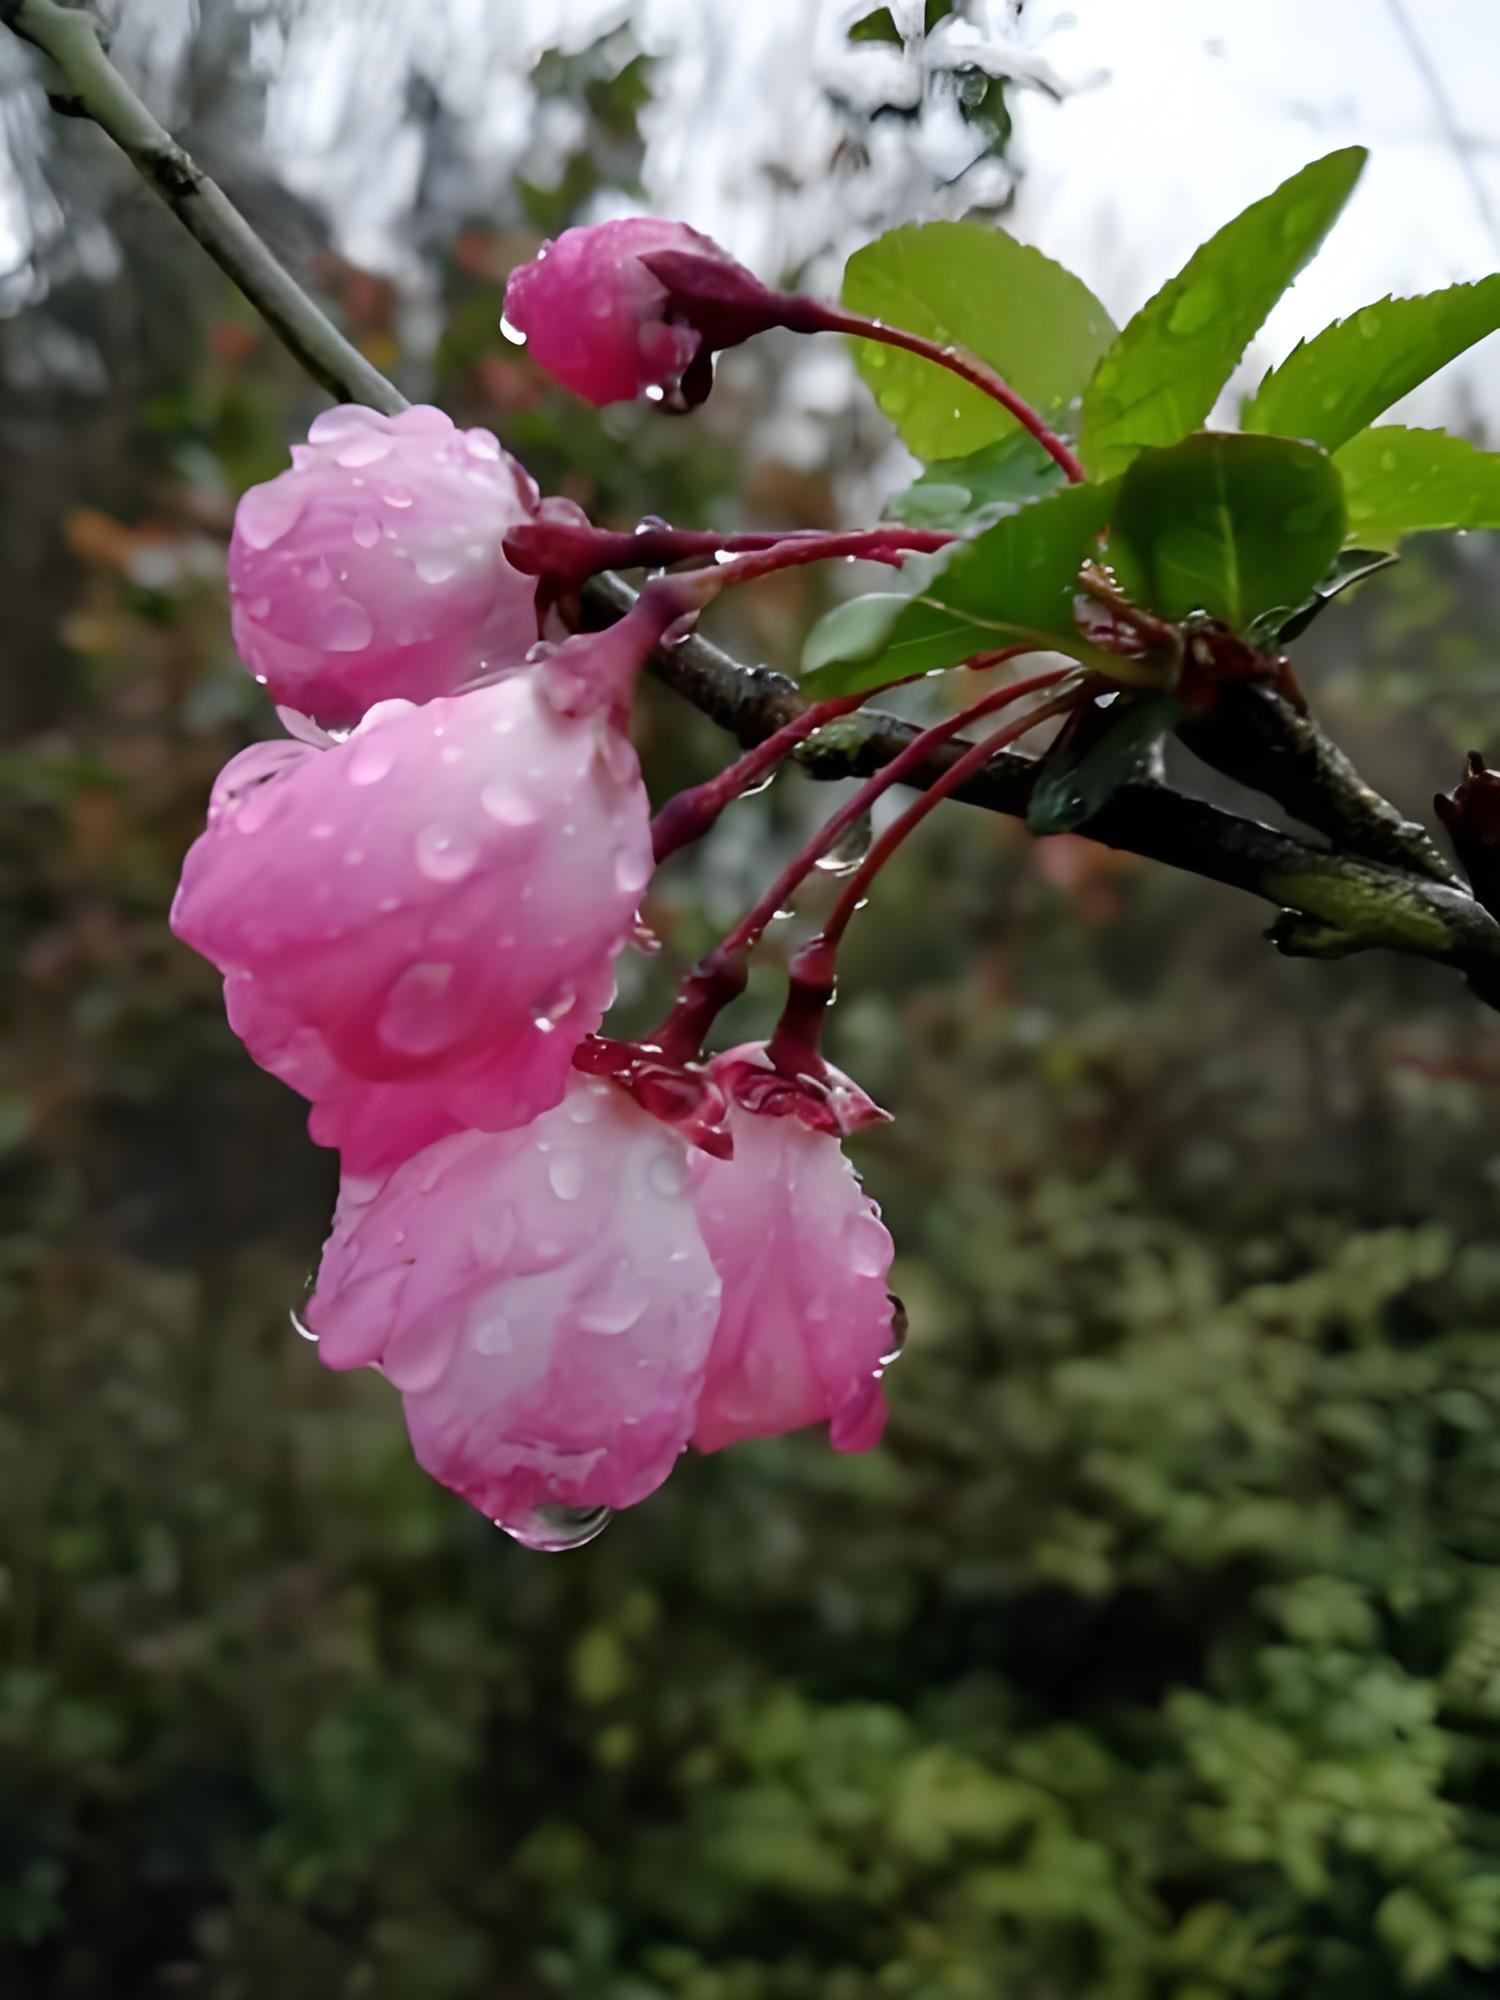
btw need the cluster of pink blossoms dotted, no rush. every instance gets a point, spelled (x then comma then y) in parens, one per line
(571, 1257)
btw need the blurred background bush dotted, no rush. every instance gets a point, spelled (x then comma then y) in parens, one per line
(1156, 1656)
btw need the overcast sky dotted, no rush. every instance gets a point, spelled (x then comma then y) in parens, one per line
(1175, 113)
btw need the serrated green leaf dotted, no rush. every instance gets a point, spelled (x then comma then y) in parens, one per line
(1011, 586)
(975, 287)
(1404, 482)
(1089, 762)
(975, 492)
(1286, 622)
(1227, 524)
(1161, 377)
(1331, 386)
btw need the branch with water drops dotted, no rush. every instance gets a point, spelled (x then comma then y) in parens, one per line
(1339, 898)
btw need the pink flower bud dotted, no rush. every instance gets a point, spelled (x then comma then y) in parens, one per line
(596, 315)
(417, 925)
(543, 1300)
(373, 568)
(807, 1325)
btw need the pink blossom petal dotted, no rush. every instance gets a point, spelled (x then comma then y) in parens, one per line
(806, 1324)
(541, 1297)
(596, 319)
(418, 925)
(374, 567)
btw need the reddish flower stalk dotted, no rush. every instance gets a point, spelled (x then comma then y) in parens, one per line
(820, 317)
(794, 1046)
(720, 976)
(571, 552)
(690, 814)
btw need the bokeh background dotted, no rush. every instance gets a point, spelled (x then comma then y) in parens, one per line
(1156, 1655)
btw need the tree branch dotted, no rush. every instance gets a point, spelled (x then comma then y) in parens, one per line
(1382, 885)
(95, 89)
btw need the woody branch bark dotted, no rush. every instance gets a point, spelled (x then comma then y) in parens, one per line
(1379, 884)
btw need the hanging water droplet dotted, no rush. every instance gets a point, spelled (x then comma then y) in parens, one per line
(299, 1324)
(849, 850)
(762, 784)
(899, 1324)
(550, 1530)
(869, 1247)
(512, 332)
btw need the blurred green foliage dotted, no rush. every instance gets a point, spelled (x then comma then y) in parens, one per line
(1156, 1656)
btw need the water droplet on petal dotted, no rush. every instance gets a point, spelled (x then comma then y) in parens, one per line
(565, 1177)
(483, 444)
(632, 872)
(363, 448)
(617, 1308)
(366, 531)
(508, 806)
(443, 856)
(369, 761)
(435, 567)
(300, 1325)
(343, 626)
(551, 1530)
(267, 513)
(417, 1018)
(869, 1246)
(397, 496)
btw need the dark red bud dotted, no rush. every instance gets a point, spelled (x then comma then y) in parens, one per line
(1471, 813)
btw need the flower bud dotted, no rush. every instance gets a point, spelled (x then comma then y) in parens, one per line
(620, 309)
(374, 569)
(417, 926)
(543, 1300)
(806, 1327)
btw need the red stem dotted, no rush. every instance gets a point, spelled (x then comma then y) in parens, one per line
(957, 774)
(793, 1047)
(957, 360)
(699, 1002)
(572, 552)
(690, 814)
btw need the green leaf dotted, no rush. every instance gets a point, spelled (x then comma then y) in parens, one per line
(975, 492)
(1089, 762)
(1160, 379)
(1331, 386)
(1289, 621)
(974, 287)
(1011, 586)
(1402, 482)
(877, 27)
(1227, 524)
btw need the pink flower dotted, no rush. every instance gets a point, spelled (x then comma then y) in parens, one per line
(598, 314)
(807, 1324)
(417, 926)
(543, 1300)
(374, 567)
